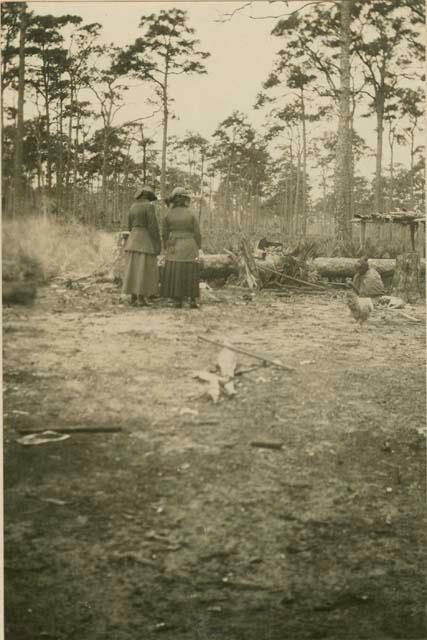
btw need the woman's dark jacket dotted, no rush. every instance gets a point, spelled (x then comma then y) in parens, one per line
(181, 235)
(144, 229)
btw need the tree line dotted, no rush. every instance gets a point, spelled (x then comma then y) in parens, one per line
(337, 63)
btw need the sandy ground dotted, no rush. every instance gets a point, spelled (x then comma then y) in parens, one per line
(177, 527)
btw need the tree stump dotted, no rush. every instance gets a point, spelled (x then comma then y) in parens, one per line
(250, 268)
(118, 258)
(406, 280)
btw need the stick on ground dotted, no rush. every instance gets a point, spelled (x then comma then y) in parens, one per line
(276, 363)
(283, 275)
(88, 429)
(408, 317)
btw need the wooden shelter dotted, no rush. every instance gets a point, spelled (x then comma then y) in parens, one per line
(398, 230)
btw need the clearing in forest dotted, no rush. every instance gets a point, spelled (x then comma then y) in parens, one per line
(176, 526)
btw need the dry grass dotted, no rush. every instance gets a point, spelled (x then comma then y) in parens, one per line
(216, 238)
(40, 248)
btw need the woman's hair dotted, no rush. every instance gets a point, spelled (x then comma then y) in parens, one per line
(180, 201)
(145, 193)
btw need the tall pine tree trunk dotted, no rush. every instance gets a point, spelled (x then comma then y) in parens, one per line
(391, 185)
(75, 165)
(60, 166)
(165, 132)
(283, 211)
(289, 208)
(144, 156)
(324, 210)
(304, 169)
(144, 163)
(352, 163)
(202, 169)
(68, 163)
(412, 167)
(295, 226)
(18, 177)
(104, 175)
(290, 188)
(343, 158)
(48, 146)
(379, 157)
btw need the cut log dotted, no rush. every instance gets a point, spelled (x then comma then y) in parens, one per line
(345, 267)
(223, 265)
(218, 266)
(407, 277)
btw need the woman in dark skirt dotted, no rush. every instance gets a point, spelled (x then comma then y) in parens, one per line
(141, 278)
(182, 241)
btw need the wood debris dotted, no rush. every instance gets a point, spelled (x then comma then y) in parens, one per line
(265, 359)
(267, 444)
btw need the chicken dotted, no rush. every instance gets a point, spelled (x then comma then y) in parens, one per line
(360, 308)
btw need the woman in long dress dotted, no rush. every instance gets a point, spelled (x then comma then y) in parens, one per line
(182, 241)
(141, 280)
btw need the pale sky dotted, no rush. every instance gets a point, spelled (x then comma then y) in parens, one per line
(242, 55)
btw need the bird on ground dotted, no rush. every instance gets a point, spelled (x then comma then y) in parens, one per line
(360, 308)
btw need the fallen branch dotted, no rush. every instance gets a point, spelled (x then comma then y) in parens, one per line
(69, 277)
(198, 423)
(408, 317)
(242, 372)
(276, 363)
(283, 275)
(89, 429)
(267, 444)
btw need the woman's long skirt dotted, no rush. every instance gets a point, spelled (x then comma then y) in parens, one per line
(180, 280)
(141, 274)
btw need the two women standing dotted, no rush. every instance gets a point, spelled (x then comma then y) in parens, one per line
(181, 240)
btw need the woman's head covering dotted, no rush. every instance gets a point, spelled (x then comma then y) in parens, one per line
(177, 194)
(144, 189)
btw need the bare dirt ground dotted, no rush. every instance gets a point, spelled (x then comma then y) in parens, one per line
(177, 527)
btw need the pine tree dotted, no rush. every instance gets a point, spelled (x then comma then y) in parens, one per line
(167, 48)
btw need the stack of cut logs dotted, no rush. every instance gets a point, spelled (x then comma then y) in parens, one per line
(257, 272)
(219, 265)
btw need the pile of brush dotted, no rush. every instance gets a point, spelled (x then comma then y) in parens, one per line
(275, 262)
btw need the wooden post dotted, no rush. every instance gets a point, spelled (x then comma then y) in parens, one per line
(412, 229)
(362, 233)
(390, 232)
(423, 238)
(406, 283)
(377, 232)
